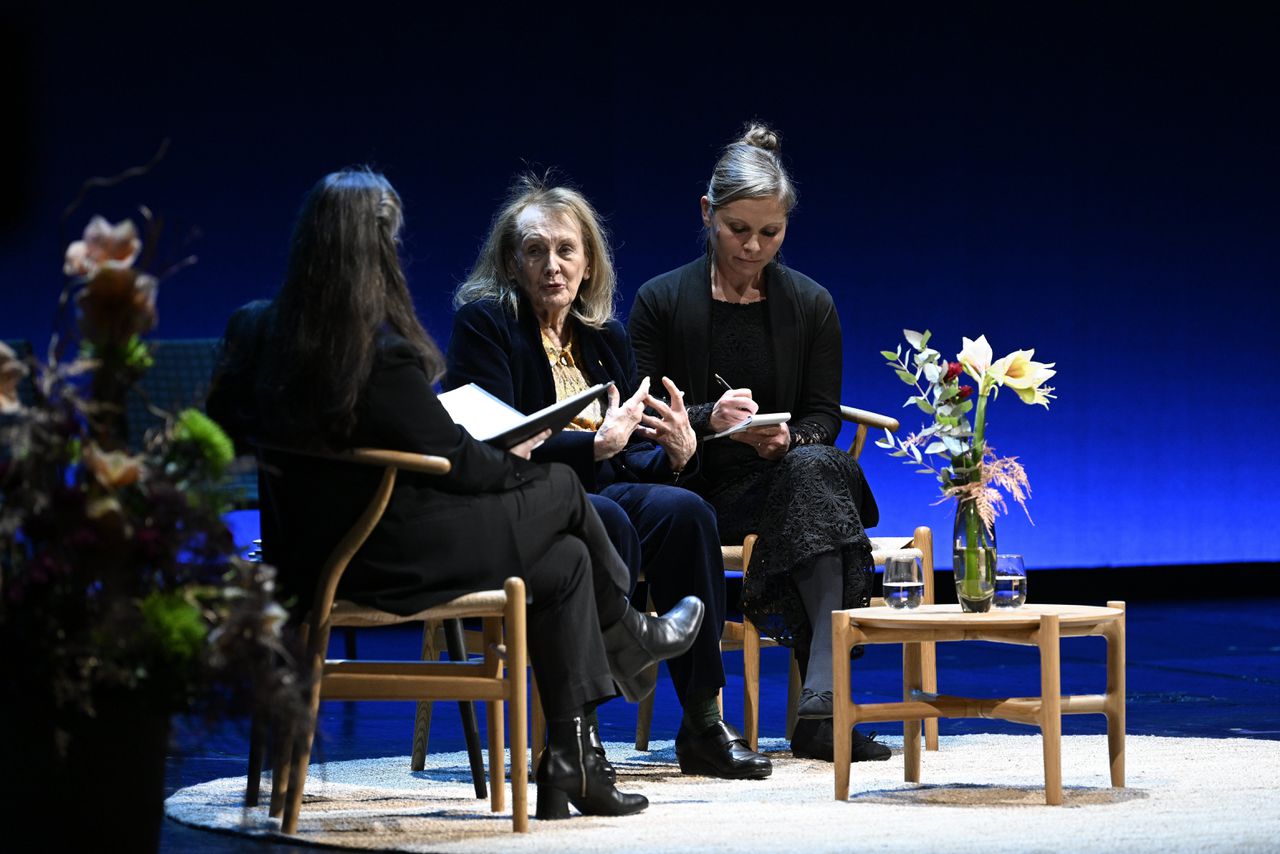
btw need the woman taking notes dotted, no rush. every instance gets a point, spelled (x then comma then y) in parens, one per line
(741, 333)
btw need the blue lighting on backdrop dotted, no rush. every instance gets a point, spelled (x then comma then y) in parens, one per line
(1096, 185)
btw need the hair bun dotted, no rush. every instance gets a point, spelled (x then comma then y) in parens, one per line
(762, 137)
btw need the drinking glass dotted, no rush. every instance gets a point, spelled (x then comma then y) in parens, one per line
(1011, 581)
(903, 582)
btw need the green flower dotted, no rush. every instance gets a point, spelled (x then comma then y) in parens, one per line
(201, 430)
(177, 625)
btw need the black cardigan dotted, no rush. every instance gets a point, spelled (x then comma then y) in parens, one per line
(671, 330)
(502, 353)
(439, 537)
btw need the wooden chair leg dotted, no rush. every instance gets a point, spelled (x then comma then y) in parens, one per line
(422, 717)
(793, 692)
(842, 703)
(281, 764)
(257, 751)
(494, 718)
(750, 683)
(299, 747)
(644, 719)
(1115, 702)
(518, 673)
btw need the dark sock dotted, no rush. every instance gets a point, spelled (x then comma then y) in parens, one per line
(821, 588)
(700, 715)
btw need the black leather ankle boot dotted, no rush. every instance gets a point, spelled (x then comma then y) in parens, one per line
(571, 771)
(638, 641)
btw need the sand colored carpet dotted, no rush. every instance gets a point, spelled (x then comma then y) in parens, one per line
(980, 793)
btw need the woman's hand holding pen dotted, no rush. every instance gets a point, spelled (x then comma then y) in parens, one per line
(733, 407)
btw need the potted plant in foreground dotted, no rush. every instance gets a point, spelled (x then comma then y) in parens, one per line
(122, 602)
(957, 452)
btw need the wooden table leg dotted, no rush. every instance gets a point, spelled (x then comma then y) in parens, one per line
(1115, 703)
(1051, 707)
(911, 681)
(844, 713)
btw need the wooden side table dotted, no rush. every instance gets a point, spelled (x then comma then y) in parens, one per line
(1032, 625)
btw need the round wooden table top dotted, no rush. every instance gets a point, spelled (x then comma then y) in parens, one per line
(935, 616)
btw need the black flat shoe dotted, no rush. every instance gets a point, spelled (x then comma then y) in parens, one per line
(720, 751)
(815, 705)
(812, 739)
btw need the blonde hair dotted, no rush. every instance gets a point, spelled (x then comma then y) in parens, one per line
(490, 277)
(751, 168)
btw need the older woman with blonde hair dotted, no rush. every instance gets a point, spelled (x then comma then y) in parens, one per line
(535, 325)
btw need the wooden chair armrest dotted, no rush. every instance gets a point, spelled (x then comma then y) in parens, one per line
(868, 418)
(422, 463)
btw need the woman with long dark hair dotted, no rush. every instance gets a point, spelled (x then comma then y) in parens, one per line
(339, 359)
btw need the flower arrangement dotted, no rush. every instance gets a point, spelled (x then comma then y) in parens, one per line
(118, 576)
(956, 451)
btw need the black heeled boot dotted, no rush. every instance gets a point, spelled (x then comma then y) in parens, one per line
(638, 641)
(571, 771)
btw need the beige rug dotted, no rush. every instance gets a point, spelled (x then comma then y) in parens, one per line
(981, 793)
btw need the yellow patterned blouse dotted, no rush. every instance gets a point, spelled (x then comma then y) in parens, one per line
(569, 381)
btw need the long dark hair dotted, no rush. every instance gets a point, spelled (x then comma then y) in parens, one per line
(343, 287)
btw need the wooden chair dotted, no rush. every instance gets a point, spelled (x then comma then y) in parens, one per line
(503, 616)
(746, 637)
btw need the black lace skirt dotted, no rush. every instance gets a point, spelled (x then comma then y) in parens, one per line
(812, 501)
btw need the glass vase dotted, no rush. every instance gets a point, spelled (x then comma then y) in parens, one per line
(973, 558)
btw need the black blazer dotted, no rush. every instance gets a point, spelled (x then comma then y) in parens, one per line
(502, 353)
(440, 537)
(671, 330)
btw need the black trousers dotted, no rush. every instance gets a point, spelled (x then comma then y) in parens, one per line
(680, 556)
(576, 584)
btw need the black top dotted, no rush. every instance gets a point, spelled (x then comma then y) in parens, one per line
(422, 552)
(502, 353)
(742, 353)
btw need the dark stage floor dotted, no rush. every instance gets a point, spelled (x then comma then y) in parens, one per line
(1206, 669)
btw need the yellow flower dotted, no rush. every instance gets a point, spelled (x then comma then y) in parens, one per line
(975, 356)
(1018, 372)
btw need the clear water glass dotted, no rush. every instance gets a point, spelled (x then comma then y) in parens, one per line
(903, 582)
(1011, 581)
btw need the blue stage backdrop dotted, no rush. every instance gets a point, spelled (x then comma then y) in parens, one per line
(1099, 186)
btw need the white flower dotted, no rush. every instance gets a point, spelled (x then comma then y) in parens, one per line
(975, 356)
